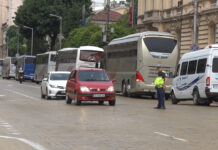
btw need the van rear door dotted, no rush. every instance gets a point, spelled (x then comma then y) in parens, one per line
(214, 73)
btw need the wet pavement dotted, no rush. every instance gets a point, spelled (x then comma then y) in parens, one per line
(28, 122)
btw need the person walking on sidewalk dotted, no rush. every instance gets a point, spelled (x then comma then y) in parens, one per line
(160, 84)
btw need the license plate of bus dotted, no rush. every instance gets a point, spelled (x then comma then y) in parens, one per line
(98, 95)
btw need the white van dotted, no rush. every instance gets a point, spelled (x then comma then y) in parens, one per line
(197, 77)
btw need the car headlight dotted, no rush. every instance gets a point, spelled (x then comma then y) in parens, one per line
(110, 89)
(52, 86)
(84, 89)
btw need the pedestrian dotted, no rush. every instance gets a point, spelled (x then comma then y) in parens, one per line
(160, 85)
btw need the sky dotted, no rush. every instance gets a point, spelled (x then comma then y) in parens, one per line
(100, 4)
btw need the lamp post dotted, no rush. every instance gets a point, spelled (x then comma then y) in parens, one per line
(61, 22)
(31, 39)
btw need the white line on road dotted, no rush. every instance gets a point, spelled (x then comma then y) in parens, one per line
(34, 145)
(2, 95)
(173, 137)
(18, 93)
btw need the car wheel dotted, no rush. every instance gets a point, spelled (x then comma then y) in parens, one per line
(112, 103)
(196, 97)
(124, 90)
(77, 102)
(42, 95)
(47, 97)
(101, 102)
(68, 100)
(173, 98)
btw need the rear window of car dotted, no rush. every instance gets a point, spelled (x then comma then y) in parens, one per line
(215, 65)
(93, 75)
(59, 76)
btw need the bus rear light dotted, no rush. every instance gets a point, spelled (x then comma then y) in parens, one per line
(139, 77)
(208, 81)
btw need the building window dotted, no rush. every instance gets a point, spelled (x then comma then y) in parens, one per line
(212, 34)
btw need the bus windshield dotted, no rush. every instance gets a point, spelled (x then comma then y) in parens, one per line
(90, 56)
(160, 44)
(29, 60)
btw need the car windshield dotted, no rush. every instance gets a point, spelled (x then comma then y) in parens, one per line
(93, 75)
(59, 76)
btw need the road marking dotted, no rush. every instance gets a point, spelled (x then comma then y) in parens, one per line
(18, 93)
(34, 145)
(9, 128)
(2, 95)
(173, 137)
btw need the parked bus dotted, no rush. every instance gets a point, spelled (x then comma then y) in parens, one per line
(9, 67)
(45, 63)
(27, 63)
(83, 57)
(132, 61)
(1, 64)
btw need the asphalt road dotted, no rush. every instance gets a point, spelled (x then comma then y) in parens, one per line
(29, 123)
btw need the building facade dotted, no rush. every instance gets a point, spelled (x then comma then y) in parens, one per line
(7, 14)
(177, 17)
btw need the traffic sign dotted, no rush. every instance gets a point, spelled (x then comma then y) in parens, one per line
(194, 47)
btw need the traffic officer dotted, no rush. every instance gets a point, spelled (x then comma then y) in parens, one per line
(160, 84)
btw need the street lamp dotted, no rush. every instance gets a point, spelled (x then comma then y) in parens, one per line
(60, 37)
(31, 39)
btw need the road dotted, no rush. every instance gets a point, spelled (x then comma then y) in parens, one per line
(29, 123)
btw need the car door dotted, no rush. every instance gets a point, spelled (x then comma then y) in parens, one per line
(70, 85)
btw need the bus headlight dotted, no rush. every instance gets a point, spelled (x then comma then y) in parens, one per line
(84, 89)
(110, 89)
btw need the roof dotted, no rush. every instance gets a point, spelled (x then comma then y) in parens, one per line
(102, 16)
(55, 72)
(135, 37)
(67, 49)
(52, 52)
(26, 56)
(91, 48)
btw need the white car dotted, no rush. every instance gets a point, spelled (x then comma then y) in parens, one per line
(54, 85)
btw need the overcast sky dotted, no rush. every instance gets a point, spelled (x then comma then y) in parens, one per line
(101, 1)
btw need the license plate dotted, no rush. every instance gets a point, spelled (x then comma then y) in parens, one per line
(215, 86)
(63, 92)
(98, 95)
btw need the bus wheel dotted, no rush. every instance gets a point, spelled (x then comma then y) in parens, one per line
(196, 97)
(124, 90)
(128, 90)
(173, 98)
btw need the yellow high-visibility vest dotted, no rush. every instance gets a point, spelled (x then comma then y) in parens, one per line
(159, 81)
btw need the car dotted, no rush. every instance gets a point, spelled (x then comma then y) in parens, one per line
(54, 84)
(90, 84)
(197, 77)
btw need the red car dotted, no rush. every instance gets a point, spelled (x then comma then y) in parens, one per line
(90, 85)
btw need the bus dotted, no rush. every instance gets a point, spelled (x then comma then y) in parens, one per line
(45, 63)
(27, 63)
(9, 67)
(69, 59)
(1, 64)
(132, 61)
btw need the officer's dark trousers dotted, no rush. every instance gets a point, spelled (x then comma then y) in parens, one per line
(161, 97)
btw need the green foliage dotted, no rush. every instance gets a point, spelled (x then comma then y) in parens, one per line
(12, 34)
(36, 14)
(90, 35)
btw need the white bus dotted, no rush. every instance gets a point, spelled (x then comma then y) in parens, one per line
(9, 67)
(45, 63)
(83, 57)
(1, 64)
(132, 61)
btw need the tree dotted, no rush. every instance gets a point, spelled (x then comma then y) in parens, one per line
(36, 14)
(15, 40)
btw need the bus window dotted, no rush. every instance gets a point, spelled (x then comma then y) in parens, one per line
(160, 44)
(91, 56)
(201, 65)
(53, 58)
(184, 68)
(215, 65)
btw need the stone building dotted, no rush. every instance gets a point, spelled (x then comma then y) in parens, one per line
(177, 17)
(7, 13)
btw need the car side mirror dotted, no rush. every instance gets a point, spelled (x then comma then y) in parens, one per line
(114, 80)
